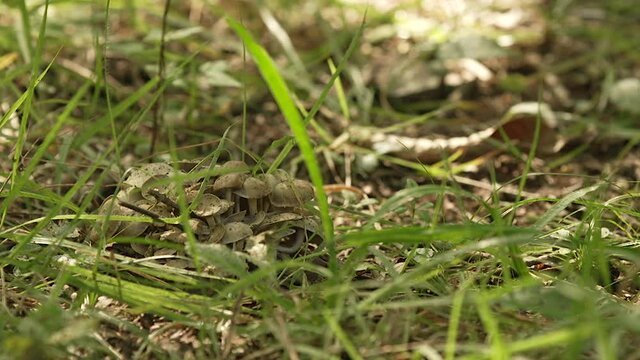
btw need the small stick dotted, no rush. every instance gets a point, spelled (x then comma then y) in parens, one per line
(165, 199)
(142, 211)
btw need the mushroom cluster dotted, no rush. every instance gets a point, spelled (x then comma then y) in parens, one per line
(230, 207)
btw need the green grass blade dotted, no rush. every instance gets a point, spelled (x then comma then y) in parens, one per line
(42, 148)
(342, 97)
(325, 91)
(555, 210)
(118, 110)
(285, 102)
(490, 321)
(342, 336)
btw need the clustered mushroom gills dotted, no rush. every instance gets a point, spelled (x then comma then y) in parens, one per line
(235, 208)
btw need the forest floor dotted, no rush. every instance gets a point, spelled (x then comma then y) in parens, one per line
(475, 167)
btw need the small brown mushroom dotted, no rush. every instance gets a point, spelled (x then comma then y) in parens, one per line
(236, 232)
(165, 252)
(282, 175)
(270, 179)
(283, 195)
(304, 189)
(134, 228)
(272, 219)
(291, 193)
(228, 182)
(209, 207)
(217, 233)
(138, 176)
(253, 189)
(200, 228)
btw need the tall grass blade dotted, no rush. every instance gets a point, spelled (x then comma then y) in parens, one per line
(285, 102)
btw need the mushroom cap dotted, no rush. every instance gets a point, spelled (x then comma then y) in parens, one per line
(303, 230)
(229, 182)
(217, 233)
(210, 205)
(152, 183)
(138, 176)
(234, 174)
(281, 175)
(270, 179)
(253, 188)
(291, 193)
(142, 249)
(283, 195)
(165, 252)
(236, 231)
(304, 189)
(275, 219)
(134, 228)
(233, 164)
(174, 235)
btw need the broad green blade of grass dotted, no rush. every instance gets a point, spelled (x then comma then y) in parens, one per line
(24, 39)
(258, 276)
(87, 254)
(26, 109)
(412, 194)
(18, 182)
(284, 99)
(553, 338)
(499, 350)
(12, 109)
(118, 110)
(555, 210)
(342, 336)
(452, 233)
(454, 319)
(432, 267)
(144, 296)
(342, 98)
(325, 91)
(45, 195)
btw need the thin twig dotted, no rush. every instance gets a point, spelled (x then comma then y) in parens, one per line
(140, 210)
(164, 199)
